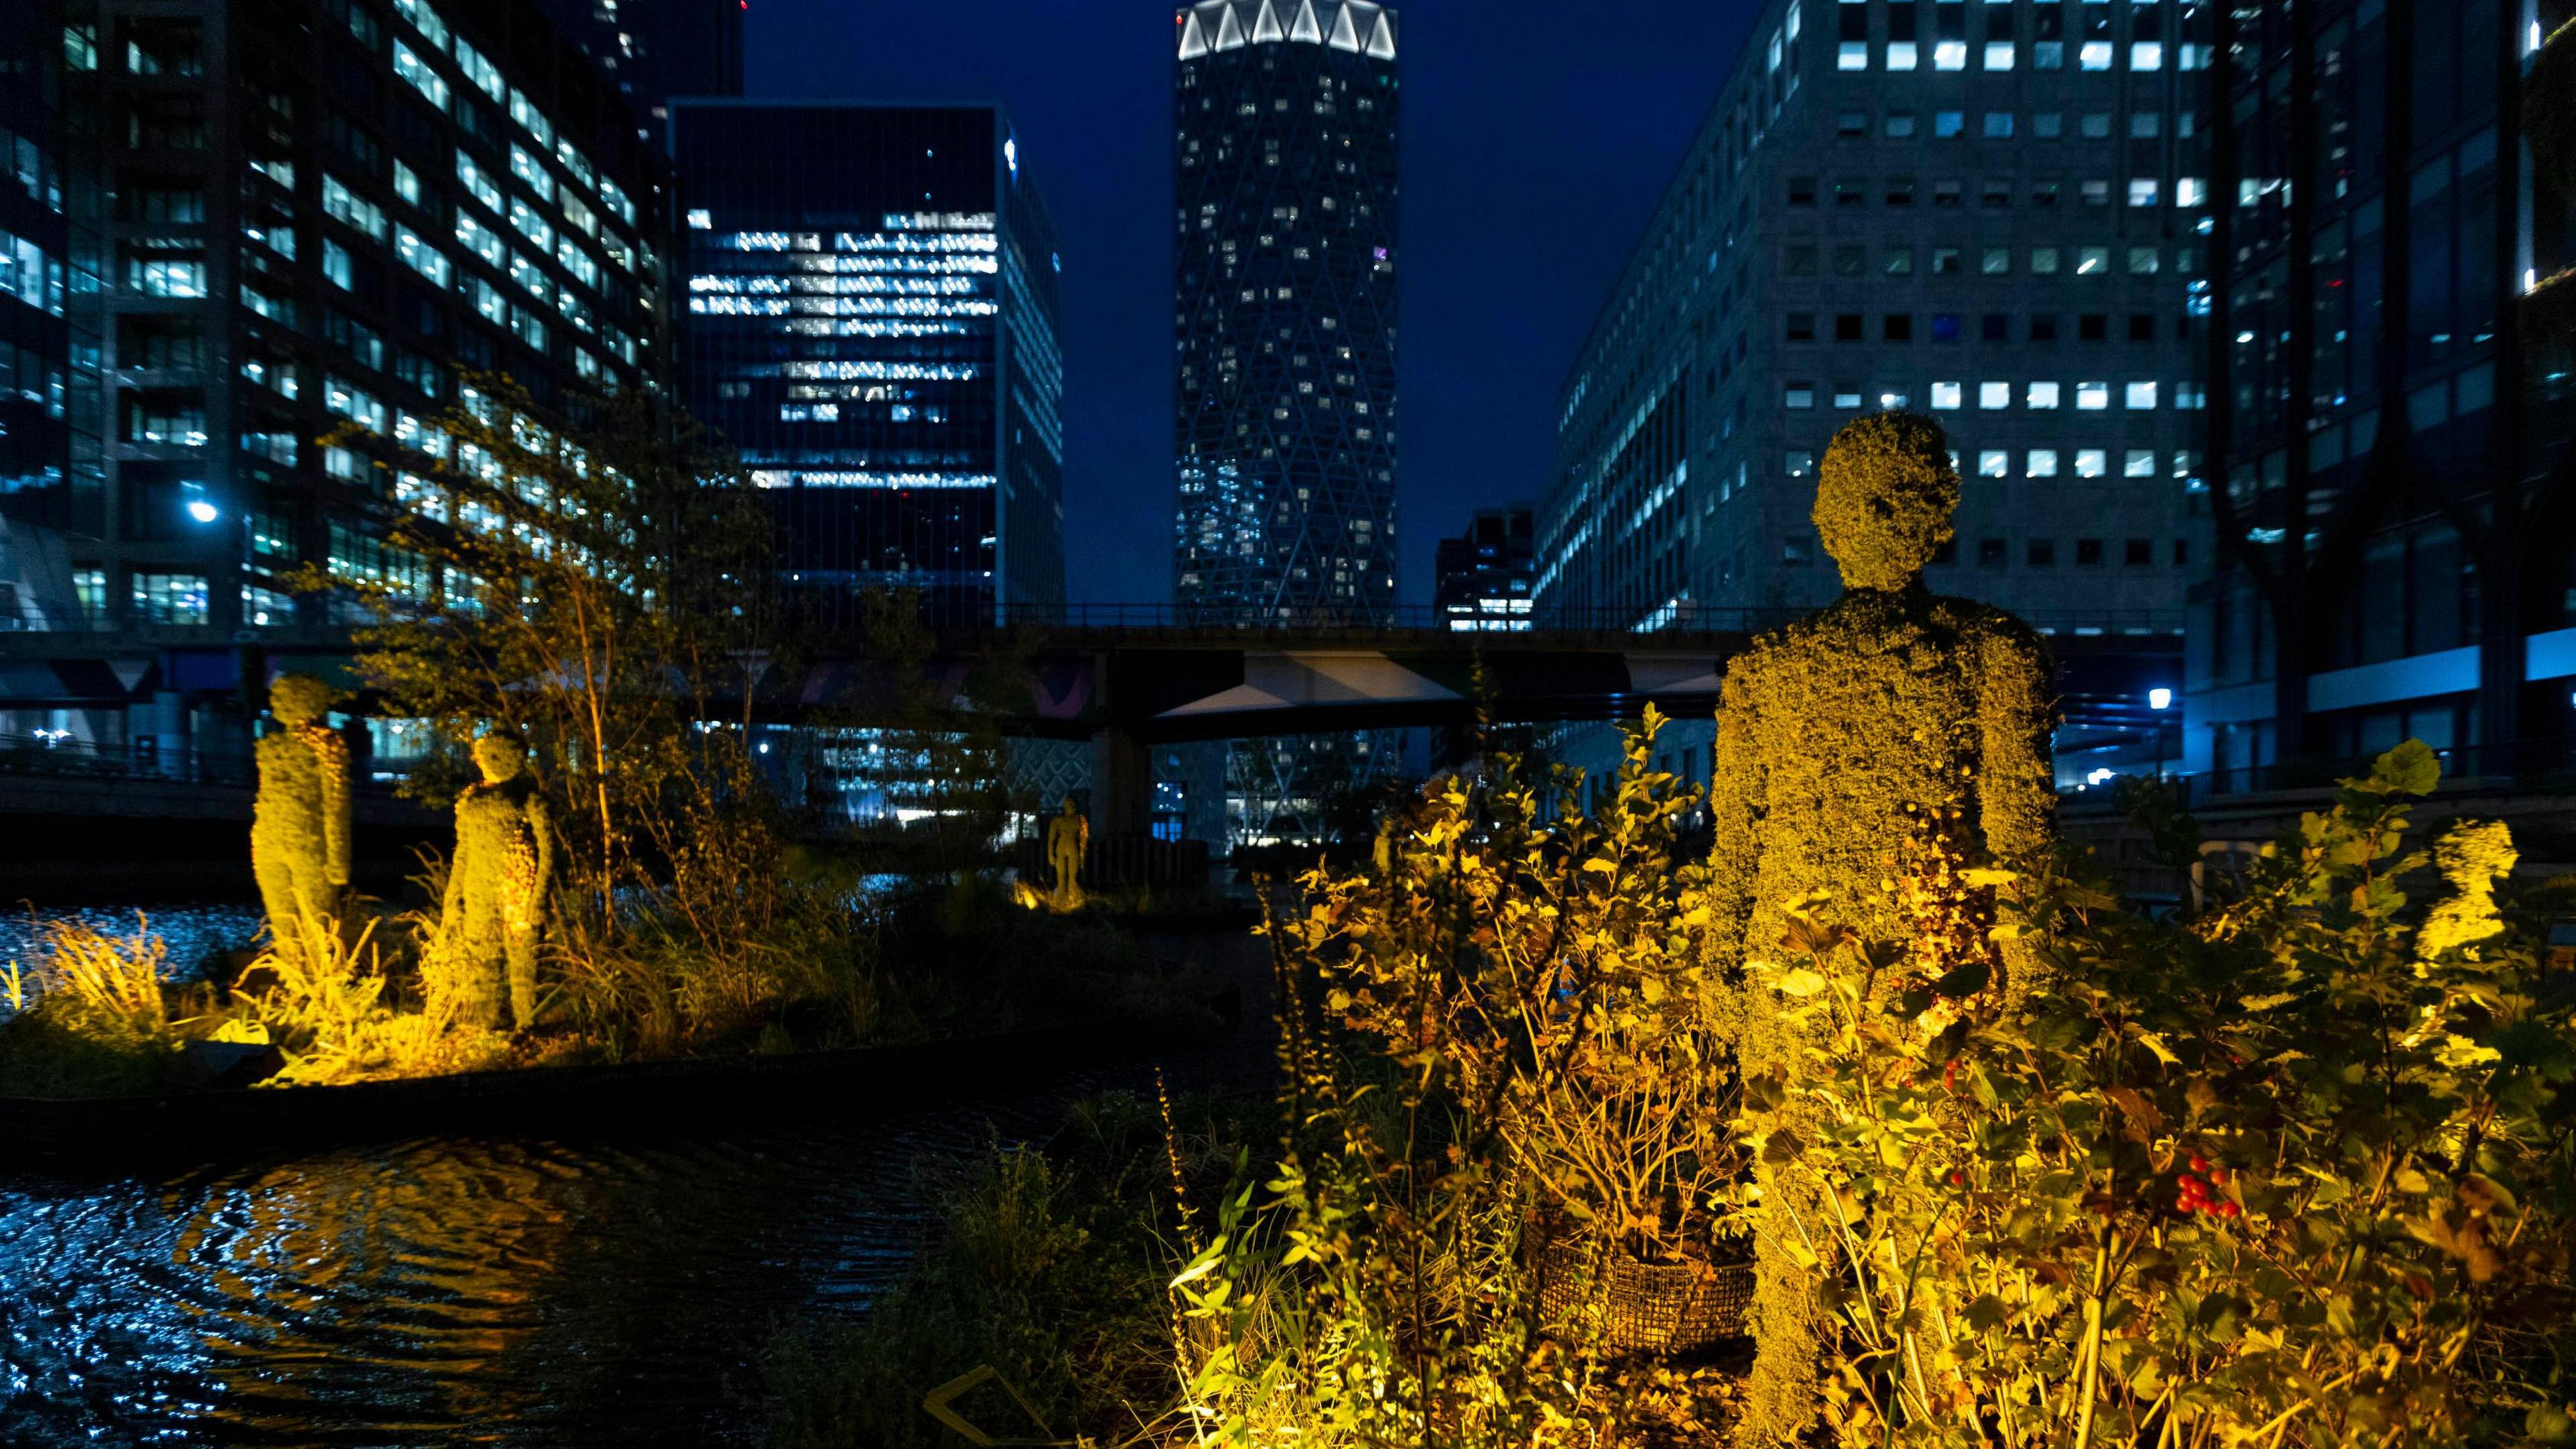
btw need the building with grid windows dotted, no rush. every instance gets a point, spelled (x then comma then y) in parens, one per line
(872, 321)
(1284, 210)
(1485, 573)
(1992, 212)
(2391, 418)
(293, 218)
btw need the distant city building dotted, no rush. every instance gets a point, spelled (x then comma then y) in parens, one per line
(294, 217)
(872, 321)
(35, 338)
(1284, 197)
(1485, 573)
(1992, 213)
(652, 50)
(2392, 420)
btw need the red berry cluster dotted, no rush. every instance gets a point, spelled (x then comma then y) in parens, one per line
(2193, 1190)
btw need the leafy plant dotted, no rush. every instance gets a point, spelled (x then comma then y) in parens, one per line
(2295, 1172)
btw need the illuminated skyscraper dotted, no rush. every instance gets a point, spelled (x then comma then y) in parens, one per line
(872, 322)
(1284, 195)
(652, 50)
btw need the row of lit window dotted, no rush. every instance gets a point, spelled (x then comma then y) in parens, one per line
(875, 306)
(414, 69)
(865, 286)
(2090, 397)
(913, 241)
(1897, 259)
(1996, 194)
(2090, 55)
(2037, 463)
(2002, 125)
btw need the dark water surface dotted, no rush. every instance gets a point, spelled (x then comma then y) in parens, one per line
(444, 1291)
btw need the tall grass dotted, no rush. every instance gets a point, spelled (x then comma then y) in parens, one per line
(91, 1019)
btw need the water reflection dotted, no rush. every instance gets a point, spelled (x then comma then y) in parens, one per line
(503, 1292)
(192, 932)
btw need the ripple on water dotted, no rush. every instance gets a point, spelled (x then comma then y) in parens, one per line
(507, 1291)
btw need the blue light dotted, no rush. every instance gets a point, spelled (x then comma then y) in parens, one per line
(2160, 698)
(203, 511)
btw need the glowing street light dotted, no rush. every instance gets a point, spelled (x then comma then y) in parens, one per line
(2159, 698)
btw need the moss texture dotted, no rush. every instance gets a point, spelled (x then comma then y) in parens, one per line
(494, 909)
(1836, 737)
(299, 834)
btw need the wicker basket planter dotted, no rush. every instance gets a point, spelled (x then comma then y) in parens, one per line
(1665, 1307)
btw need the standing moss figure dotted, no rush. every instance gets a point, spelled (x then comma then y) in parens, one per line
(1068, 840)
(496, 886)
(1830, 730)
(299, 834)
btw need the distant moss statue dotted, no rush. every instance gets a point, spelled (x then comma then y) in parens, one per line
(1068, 841)
(299, 834)
(1836, 736)
(496, 887)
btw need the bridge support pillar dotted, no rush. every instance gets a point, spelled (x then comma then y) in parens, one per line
(1122, 785)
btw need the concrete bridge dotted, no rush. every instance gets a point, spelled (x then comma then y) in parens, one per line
(1123, 678)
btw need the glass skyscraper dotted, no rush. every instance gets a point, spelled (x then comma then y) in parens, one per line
(2392, 419)
(872, 322)
(652, 50)
(1284, 196)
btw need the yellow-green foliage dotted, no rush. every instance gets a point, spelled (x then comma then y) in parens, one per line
(326, 1010)
(299, 835)
(1513, 1044)
(1832, 734)
(94, 1020)
(1884, 498)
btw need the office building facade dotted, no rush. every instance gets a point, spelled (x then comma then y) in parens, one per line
(35, 336)
(1991, 212)
(652, 50)
(872, 321)
(2392, 412)
(1485, 573)
(296, 218)
(1284, 210)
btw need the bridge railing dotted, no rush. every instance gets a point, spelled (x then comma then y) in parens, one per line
(1470, 622)
(184, 763)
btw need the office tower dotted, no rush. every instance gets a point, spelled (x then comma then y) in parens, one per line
(872, 321)
(2391, 417)
(1988, 211)
(1485, 573)
(290, 218)
(652, 50)
(1284, 210)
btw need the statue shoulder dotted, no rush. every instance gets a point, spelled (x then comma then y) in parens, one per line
(1990, 627)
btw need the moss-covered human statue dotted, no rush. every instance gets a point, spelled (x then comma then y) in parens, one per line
(1829, 730)
(1068, 840)
(496, 887)
(299, 834)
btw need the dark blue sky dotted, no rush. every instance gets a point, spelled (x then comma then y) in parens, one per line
(1537, 139)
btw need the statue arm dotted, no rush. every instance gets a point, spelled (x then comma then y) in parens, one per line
(453, 898)
(541, 825)
(1736, 791)
(2017, 799)
(334, 758)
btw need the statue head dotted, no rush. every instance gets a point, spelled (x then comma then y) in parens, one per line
(1068, 807)
(1884, 499)
(500, 757)
(298, 699)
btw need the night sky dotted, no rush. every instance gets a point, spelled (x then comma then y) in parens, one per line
(1537, 139)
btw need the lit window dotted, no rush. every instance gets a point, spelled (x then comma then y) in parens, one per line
(2040, 463)
(335, 265)
(151, 276)
(1999, 55)
(478, 183)
(1947, 124)
(2091, 462)
(343, 205)
(2190, 191)
(1798, 395)
(1900, 55)
(1949, 55)
(2097, 192)
(406, 183)
(2139, 463)
(2094, 55)
(1800, 464)
(417, 71)
(1852, 55)
(169, 598)
(700, 219)
(2143, 261)
(2141, 397)
(1994, 463)
(2042, 396)
(2147, 55)
(420, 256)
(2092, 397)
(2043, 261)
(1999, 125)
(2142, 191)
(1945, 397)
(1994, 396)
(2092, 261)
(1996, 262)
